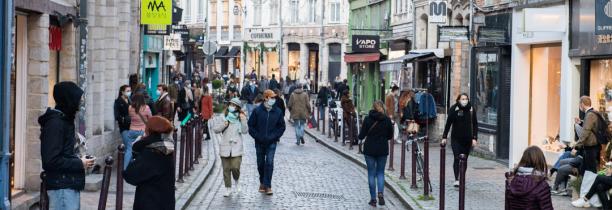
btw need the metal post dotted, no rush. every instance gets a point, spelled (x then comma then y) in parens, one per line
(188, 148)
(119, 190)
(6, 19)
(462, 166)
(187, 62)
(196, 142)
(331, 125)
(391, 152)
(317, 116)
(426, 168)
(324, 119)
(44, 198)
(174, 137)
(413, 184)
(351, 123)
(403, 159)
(181, 155)
(108, 168)
(442, 173)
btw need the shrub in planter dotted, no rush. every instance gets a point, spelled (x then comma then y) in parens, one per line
(218, 107)
(216, 84)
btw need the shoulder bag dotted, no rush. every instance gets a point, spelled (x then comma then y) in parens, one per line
(363, 142)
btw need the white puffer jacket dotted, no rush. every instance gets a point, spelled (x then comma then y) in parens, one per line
(230, 143)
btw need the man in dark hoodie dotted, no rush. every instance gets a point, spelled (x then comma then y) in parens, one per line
(65, 170)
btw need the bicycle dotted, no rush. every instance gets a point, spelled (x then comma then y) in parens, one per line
(419, 155)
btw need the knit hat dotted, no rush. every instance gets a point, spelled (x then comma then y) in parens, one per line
(157, 124)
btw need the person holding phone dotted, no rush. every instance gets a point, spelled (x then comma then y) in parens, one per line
(231, 128)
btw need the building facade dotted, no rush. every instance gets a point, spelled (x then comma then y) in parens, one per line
(224, 27)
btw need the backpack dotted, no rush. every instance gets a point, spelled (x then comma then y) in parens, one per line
(601, 132)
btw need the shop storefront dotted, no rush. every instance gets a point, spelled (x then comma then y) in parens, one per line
(151, 73)
(261, 52)
(364, 76)
(591, 43)
(543, 102)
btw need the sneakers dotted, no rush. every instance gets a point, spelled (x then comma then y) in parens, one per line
(559, 192)
(456, 184)
(269, 191)
(228, 191)
(237, 188)
(262, 189)
(581, 203)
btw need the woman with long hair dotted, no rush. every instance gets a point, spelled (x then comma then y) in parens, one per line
(121, 110)
(462, 118)
(231, 129)
(377, 130)
(526, 185)
(139, 115)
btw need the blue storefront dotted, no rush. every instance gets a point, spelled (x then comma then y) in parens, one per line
(151, 67)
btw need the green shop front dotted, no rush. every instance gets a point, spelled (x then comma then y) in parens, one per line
(150, 69)
(364, 75)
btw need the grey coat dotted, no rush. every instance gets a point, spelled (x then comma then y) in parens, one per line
(230, 144)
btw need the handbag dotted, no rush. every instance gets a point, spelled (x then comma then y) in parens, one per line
(363, 142)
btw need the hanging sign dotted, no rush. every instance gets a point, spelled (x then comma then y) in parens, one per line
(156, 29)
(365, 43)
(438, 11)
(156, 12)
(603, 17)
(453, 33)
(173, 42)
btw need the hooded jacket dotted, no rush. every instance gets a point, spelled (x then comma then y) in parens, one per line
(299, 105)
(527, 190)
(377, 137)
(60, 162)
(151, 171)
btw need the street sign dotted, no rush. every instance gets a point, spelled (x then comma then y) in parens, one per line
(182, 30)
(365, 43)
(603, 17)
(438, 11)
(453, 33)
(156, 12)
(209, 47)
(173, 42)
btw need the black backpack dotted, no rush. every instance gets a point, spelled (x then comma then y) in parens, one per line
(601, 132)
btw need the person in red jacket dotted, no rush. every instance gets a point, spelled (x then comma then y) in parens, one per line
(526, 186)
(207, 109)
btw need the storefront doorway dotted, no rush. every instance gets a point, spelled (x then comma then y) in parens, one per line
(313, 66)
(18, 132)
(335, 59)
(545, 97)
(293, 63)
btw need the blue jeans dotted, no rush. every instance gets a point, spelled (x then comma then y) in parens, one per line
(265, 162)
(322, 113)
(64, 199)
(376, 173)
(299, 129)
(128, 139)
(565, 155)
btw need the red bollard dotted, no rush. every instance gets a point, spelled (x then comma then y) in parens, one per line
(108, 168)
(403, 159)
(181, 157)
(442, 173)
(44, 198)
(462, 167)
(426, 185)
(391, 152)
(413, 184)
(119, 190)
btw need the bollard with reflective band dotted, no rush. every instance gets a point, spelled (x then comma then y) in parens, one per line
(403, 159)
(462, 167)
(44, 197)
(181, 156)
(426, 186)
(119, 190)
(108, 168)
(413, 183)
(442, 173)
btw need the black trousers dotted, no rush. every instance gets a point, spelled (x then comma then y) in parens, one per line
(601, 186)
(591, 159)
(460, 146)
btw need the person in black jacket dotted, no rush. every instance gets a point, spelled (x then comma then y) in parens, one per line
(64, 169)
(462, 118)
(185, 103)
(122, 116)
(280, 103)
(377, 130)
(322, 101)
(151, 170)
(248, 94)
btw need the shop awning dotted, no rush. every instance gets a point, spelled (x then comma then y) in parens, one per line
(440, 53)
(221, 52)
(234, 52)
(396, 63)
(361, 57)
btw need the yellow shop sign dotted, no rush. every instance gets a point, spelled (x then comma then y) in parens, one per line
(156, 12)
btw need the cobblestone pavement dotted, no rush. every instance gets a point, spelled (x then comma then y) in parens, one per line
(301, 173)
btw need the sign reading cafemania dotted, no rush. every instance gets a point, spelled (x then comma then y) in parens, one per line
(156, 12)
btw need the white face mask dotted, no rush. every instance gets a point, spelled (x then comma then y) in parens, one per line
(127, 93)
(158, 92)
(188, 85)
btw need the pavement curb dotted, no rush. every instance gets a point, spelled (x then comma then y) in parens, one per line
(187, 197)
(396, 189)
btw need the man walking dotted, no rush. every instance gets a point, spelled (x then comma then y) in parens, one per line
(65, 170)
(164, 105)
(273, 83)
(587, 141)
(299, 107)
(248, 94)
(264, 84)
(266, 126)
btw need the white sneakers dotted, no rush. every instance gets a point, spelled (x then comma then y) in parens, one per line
(228, 191)
(456, 184)
(237, 187)
(581, 203)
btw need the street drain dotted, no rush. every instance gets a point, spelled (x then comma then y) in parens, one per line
(319, 195)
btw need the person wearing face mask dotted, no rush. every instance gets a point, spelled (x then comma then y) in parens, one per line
(163, 105)
(266, 126)
(185, 101)
(122, 115)
(464, 136)
(64, 169)
(299, 108)
(232, 90)
(231, 126)
(248, 94)
(391, 107)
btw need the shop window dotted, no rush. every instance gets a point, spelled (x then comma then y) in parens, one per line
(545, 96)
(487, 87)
(601, 86)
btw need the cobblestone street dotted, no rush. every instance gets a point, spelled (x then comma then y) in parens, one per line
(305, 177)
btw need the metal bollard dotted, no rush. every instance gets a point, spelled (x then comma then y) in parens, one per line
(426, 167)
(196, 142)
(324, 119)
(413, 184)
(44, 198)
(317, 117)
(174, 138)
(350, 132)
(330, 124)
(189, 147)
(108, 168)
(391, 152)
(119, 190)
(442, 173)
(403, 159)
(462, 167)
(182, 155)
(336, 127)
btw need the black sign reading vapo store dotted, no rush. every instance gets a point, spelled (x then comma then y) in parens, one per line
(603, 17)
(365, 43)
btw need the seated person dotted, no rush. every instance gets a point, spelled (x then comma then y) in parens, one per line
(567, 167)
(601, 185)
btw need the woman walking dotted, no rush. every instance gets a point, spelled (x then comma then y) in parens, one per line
(462, 118)
(139, 115)
(121, 108)
(526, 186)
(206, 109)
(231, 128)
(377, 130)
(152, 171)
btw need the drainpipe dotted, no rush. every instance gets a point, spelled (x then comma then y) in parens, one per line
(6, 20)
(81, 22)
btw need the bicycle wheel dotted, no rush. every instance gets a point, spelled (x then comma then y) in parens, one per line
(420, 166)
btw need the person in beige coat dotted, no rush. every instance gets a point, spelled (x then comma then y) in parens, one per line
(299, 107)
(231, 126)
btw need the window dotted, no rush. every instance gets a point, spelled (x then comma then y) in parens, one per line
(335, 11)
(225, 13)
(294, 11)
(487, 87)
(257, 13)
(312, 11)
(212, 20)
(274, 13)
(187, 6)
(201, 10)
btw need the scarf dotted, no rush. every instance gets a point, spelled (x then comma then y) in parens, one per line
(189, 94)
